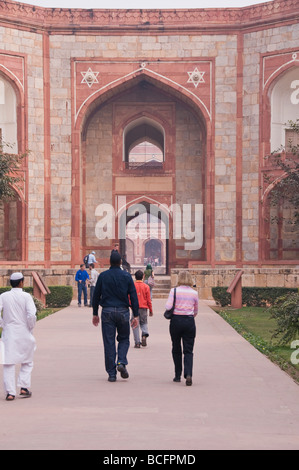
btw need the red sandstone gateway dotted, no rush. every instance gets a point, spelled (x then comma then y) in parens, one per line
(133, 109)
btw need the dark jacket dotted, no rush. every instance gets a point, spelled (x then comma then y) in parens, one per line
(115, 288)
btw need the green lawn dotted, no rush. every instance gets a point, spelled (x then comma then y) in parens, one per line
(255, 325)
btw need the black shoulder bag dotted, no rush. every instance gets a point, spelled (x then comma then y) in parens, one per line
(168, 314)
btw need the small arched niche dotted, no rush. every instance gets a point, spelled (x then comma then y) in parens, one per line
(284, 106)
(8, 116)
(144, 144)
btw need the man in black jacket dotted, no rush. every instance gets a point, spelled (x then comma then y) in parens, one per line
(115, 292)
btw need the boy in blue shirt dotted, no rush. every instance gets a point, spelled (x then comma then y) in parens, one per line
(81, 278)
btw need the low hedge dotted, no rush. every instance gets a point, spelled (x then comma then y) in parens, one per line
(26, 289)
(60, 296)
(252, 296)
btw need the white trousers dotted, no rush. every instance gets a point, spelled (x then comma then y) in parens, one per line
(9, 377)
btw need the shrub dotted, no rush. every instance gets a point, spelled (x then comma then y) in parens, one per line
(38, 304)
(26, 289)
(286, 312)
(252, 296)
(60, 296)
(220, 296)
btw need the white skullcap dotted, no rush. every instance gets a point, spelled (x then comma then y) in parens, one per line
(93, 252)
(16, 276)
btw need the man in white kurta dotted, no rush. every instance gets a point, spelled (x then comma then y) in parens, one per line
(18, 343)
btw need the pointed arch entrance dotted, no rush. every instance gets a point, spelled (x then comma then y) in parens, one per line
(143, 110)
(144, 235)
(13, 211)
(278, 229)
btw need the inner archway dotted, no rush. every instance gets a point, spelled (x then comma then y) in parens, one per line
(143, 143)
(144, 237)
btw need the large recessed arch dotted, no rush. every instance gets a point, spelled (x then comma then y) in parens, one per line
(13, 213)
(279, 92)
(164, 137)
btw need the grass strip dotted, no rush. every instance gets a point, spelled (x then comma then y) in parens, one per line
(254, 325)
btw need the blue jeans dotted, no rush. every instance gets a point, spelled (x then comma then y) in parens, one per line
(92, 288)
(115, 320)
(82, 288)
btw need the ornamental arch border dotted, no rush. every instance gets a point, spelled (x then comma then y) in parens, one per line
(266, 101)
(107, 93)
(21, 194)
(265, 132)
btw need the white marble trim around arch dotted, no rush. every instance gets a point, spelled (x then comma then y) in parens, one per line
(142, 68)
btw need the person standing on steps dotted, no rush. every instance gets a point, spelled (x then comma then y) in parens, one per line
(149, 278)
(115, 292)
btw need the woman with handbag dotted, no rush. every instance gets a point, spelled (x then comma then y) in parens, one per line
(182, 326)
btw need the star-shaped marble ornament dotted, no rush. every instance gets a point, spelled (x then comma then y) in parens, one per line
(89, 77)
(196, 77)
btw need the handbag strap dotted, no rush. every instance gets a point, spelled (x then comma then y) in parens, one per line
(174, 297)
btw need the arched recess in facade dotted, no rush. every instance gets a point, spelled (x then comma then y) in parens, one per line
(99, 170)
(279, 238)
(13, 213)
(144, 227)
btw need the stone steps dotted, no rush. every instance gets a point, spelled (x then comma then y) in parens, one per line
(162, 287)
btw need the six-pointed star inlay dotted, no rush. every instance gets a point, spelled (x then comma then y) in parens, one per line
(89, 77)
(196, 77)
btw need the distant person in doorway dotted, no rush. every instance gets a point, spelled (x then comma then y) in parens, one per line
(18, 321)
(145, 304)
(82, 278)
(182, 326)
(115, 292)
(149, 278)
(115, 249)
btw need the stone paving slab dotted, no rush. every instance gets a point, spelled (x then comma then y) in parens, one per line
(238, 400)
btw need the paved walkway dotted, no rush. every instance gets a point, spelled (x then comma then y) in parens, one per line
(239, 399)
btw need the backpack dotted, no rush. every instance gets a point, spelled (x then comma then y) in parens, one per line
(85, 260)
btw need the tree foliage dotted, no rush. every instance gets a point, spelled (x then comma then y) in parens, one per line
(286, 313)
(10, 172)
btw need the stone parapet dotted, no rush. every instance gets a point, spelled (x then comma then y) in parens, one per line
(51, 277)
(94, 19)
(205, 279)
